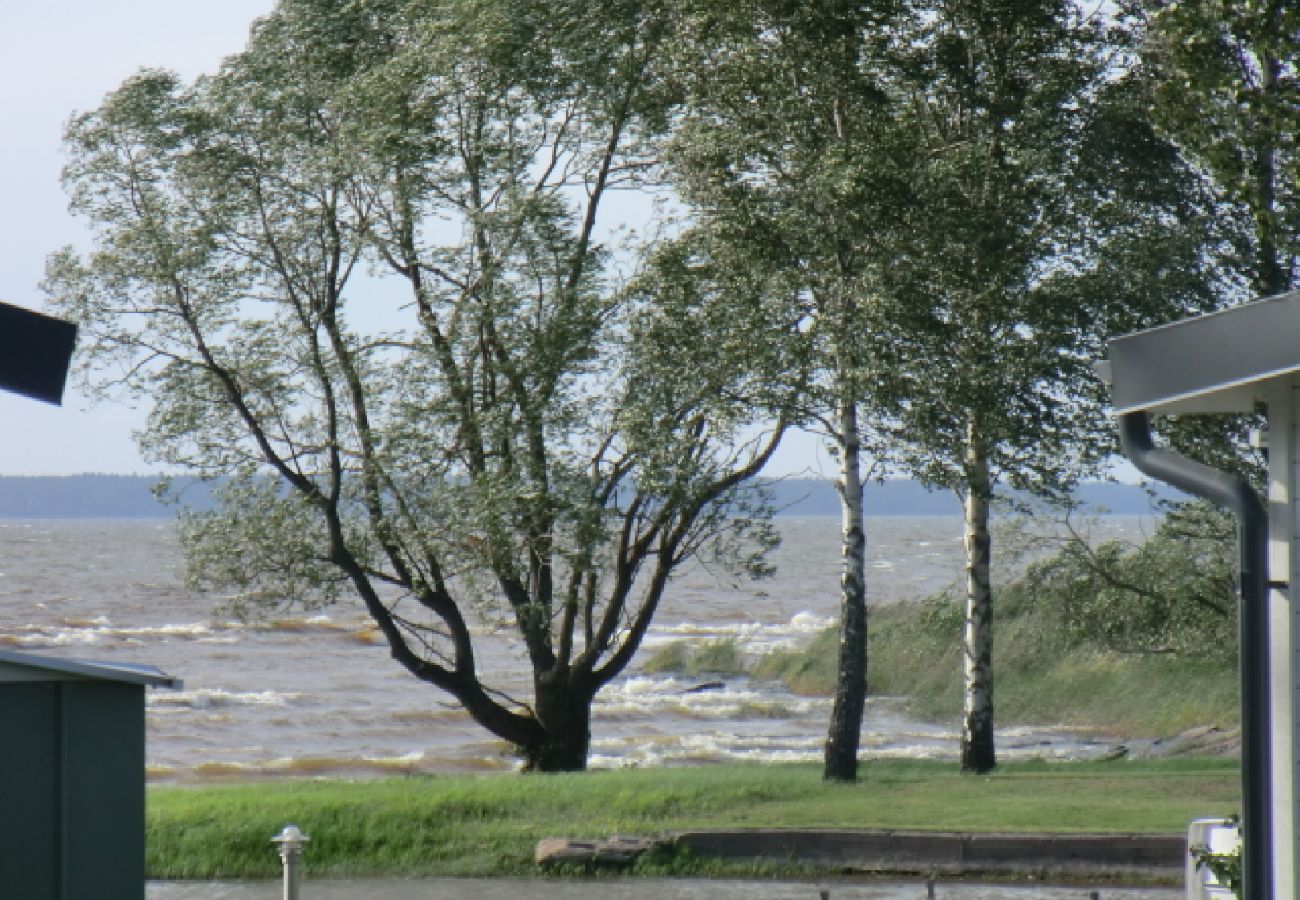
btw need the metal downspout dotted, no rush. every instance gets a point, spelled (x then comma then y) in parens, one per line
(1236, 494)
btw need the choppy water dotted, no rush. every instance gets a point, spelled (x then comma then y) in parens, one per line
(318, 694)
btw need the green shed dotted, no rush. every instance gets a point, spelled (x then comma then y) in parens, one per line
(72, 777)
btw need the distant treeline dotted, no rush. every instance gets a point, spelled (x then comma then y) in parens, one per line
(93, 497)
(132, 497)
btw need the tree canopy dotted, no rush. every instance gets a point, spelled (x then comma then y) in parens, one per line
(1227, 90)
(366, 273)
(790, 158)
(375, 274)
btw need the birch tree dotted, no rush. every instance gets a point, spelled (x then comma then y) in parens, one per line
(363, 276)
(1047, 214)
(788, 156)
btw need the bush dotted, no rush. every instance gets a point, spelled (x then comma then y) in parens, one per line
(1175, 593)
(1138, 640)
(718, 657)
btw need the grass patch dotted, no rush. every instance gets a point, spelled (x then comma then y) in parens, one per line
(719, 657)
(1041, 676)
(490, 824)
(1138, 640)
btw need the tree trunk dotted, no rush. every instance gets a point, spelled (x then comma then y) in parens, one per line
(564, 712)
(977, 753)
(841, 756)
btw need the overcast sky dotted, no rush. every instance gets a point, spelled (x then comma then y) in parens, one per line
(58, 57)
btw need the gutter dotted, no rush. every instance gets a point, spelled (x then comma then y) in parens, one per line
(1236, 494)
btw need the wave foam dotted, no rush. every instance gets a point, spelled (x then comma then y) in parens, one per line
(648, 696)
(751, 637)
(217, 698)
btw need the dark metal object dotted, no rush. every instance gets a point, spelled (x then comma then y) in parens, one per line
(34, 353)
(1236, 494)
(72, 778)
(1211, 363)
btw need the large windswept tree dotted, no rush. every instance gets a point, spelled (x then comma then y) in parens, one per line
(363, 275)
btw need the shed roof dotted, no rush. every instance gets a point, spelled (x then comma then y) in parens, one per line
(16, 666)
(1212, 363)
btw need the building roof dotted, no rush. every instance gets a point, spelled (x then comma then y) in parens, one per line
(16, 666)
(1212, 363)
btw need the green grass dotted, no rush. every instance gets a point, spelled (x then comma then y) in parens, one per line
(720, 657)
(489, 824)
(1040, 677)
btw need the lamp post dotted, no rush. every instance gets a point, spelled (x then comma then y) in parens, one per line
(291, 842)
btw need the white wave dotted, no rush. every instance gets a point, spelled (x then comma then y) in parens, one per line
(651, 696)
(612, 753)
(751, 637)
(78, 622)
(711, 747)
(180, 629)
(216, 698)
(310, 766)
(72, 632)
(810, 623)
(39, 637)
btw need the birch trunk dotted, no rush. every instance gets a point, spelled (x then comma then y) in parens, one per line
(841, 757)
(977, 753)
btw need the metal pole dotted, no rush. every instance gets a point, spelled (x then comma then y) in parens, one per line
(291, 841)
(1253, 656)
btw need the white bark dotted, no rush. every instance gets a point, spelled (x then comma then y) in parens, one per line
(977, 746)
(841, 756)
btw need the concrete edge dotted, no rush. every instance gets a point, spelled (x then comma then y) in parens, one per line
(1148, 856)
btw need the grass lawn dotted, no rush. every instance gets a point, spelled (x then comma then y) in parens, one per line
(489, 824)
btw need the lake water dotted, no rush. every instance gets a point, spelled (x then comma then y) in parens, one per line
(318, 695)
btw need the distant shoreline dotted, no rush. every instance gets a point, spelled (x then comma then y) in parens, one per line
(132, 497)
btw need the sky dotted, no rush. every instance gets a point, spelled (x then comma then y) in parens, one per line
(59, 57)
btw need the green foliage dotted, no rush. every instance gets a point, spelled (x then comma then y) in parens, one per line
(1226, 867)
(489, 825)
(1048, 216)
(1171, 594)
(366, 273)
(1139, 641)
(796, 171)
(810, 670)
(1225, 78)
(720, 657)
(958, 203)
